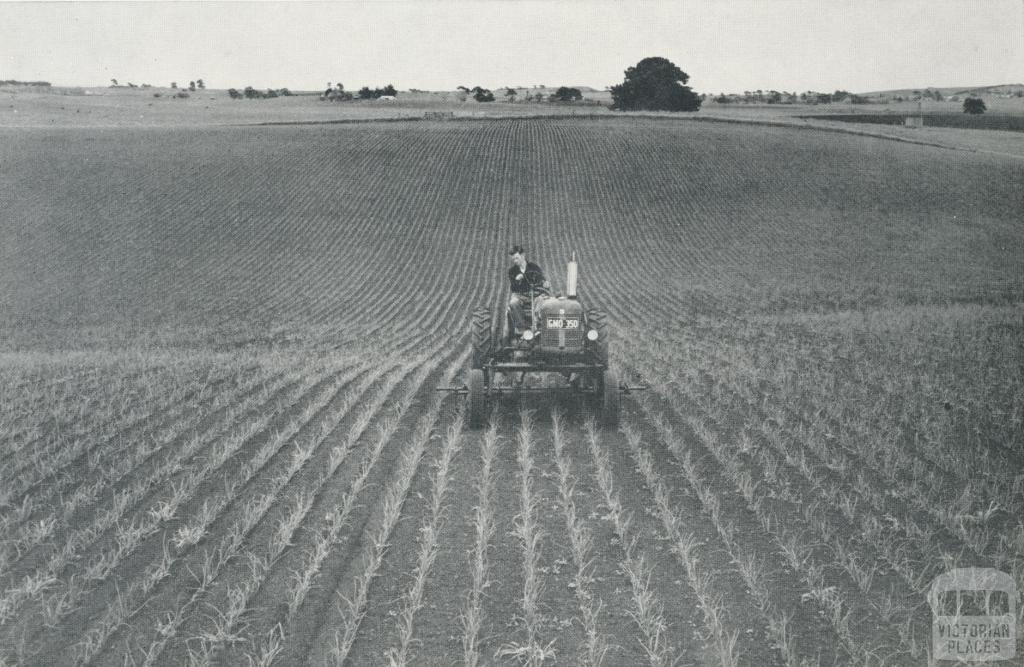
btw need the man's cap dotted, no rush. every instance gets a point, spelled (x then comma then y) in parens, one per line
(516, 248)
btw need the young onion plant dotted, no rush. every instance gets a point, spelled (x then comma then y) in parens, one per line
(412, 599)
(580, 540)
(238, 599)
(648, 610)
(327, 536)
(721, 642)
(252, 512)
(530, 537)
(353, 607)
(484, 526)
(126, 535)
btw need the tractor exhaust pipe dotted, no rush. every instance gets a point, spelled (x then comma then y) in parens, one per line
(570, 280)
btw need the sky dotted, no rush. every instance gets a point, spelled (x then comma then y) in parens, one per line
(724, 45)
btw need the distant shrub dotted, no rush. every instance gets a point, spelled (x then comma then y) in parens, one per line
(251, 93)
(157, 95)
(270, 93)
(336, 96)
(234, 94)
(564, 94)
(723, 99)
(182, 94)
(482, 94)
(367, 93)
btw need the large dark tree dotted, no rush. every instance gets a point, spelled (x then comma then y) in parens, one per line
(974, 105)
(654, 84)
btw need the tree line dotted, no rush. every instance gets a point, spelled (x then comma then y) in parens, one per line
(653, 84)
(337, 93)
(250, 93)
(14, 82)
(784, 97)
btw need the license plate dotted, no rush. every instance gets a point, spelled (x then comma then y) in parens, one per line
(563, 323)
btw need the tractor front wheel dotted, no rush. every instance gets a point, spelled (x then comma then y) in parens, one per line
(477, 398)
(481, 337)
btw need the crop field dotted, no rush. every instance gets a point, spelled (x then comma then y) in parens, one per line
(1008, 122)
(221, 443)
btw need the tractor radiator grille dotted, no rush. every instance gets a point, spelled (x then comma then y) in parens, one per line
(570, 339)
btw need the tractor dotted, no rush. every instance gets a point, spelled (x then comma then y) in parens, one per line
(561, 336)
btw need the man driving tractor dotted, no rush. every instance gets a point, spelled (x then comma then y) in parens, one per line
(557, 335)
(526, 279)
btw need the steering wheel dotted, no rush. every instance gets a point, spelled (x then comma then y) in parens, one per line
(535, 280)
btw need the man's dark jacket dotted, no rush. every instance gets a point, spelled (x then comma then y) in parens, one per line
(532, 276)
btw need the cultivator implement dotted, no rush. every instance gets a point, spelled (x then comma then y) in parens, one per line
(561, 337)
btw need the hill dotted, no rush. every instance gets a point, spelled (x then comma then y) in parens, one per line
(1007, 89)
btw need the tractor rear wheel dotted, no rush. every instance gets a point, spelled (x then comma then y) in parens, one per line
(610, 399)
(477, 398)
(597, 321)
(481, 336)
